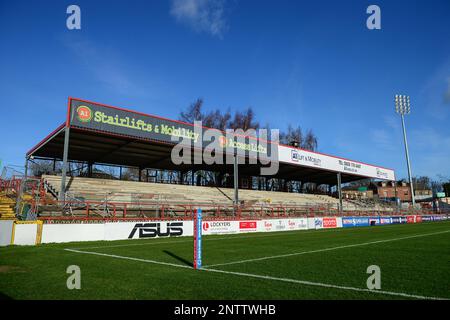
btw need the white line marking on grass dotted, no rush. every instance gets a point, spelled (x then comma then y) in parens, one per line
(130, 258)
(310, 283)
(325, 249)
(134, 244)
(325, 285)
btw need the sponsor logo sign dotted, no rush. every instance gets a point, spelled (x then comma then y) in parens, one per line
(318, 223)
(284, 224)
(355, 222)
(418, 219)
(291, 225)
(84, 113)
(247, 225)
(302, 223)
(410, 219)
(382, 173)
(297, 156)
(385, 220)
(134, 124)
(268, 225)
(280, 225)
(215, 227)
(427, 218)
(397, 220)
(316, 160)
(156, 229)
(329, 223)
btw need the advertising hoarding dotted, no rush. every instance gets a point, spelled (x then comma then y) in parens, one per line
(322, 161)
(329, 223)
(385, 220)
(99, 117)
(220, 227)
(248, 226)
(355, 222)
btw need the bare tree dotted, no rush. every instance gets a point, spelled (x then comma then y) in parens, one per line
(215, 119)
(244, 120)
(293, 136)
(193, 113)
(421, 183)
(446, 188)
(40, 167)
(130, 174)
(436, 186)
(310, 142)
(296, 137)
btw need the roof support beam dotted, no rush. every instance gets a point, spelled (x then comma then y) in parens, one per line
(62, 191)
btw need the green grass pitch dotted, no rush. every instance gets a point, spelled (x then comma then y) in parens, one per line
(325, 264)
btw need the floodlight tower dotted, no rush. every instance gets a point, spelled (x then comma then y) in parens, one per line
(402, 107)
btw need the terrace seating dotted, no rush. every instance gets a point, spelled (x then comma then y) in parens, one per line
(142, 192)
(130, 199)
(367, 205)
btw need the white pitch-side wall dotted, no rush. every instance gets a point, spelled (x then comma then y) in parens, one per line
(25, 234)
(73, 232)
(5, 232)
(59, 233)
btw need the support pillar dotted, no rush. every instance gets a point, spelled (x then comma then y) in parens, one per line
(90, 169)
(22, 186)
(339, 187)
(181, 177)
(236, 181)
(62, 190)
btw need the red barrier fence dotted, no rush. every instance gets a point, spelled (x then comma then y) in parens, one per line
(131, 211)
(51, 210)
(10, 185)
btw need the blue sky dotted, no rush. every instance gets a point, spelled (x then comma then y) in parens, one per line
(312, 63)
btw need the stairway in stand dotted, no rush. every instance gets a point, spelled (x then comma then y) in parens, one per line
(7, 206)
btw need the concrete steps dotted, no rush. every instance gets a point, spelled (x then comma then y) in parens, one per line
(131, 191)
(7, 208)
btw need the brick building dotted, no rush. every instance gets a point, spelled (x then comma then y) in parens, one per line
(399, 190)
(361, 193)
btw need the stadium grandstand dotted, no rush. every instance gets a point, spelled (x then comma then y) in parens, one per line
(97, 134)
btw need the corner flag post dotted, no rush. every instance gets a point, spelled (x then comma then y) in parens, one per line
(198, 238)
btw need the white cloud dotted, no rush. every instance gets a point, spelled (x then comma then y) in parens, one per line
(430, 139)
(106, 67)
(430, 151)
(392, 122)
(201, 15)
(383, 139)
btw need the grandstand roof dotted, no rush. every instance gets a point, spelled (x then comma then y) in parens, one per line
(104, 144)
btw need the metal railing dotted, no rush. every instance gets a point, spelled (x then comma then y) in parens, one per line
(129, 211)
(146, 207)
